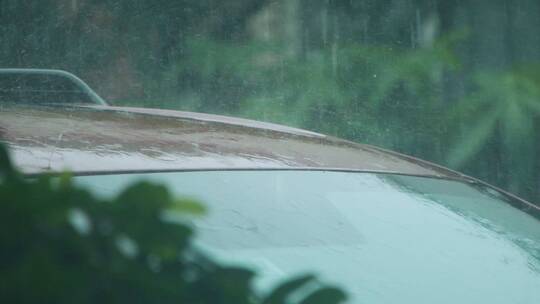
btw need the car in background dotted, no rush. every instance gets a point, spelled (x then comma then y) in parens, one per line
(387, 227)
(45, 86)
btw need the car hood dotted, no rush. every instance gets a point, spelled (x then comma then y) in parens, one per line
(113, 139)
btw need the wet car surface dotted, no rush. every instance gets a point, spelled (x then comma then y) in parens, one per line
(387, 227)
(126, 139)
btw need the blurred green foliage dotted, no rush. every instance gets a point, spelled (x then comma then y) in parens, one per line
(363, 95)
(454, 82)
(501, 113)
(61, 244)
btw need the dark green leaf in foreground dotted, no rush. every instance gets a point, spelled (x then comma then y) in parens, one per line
(325, 296)
(280, 294)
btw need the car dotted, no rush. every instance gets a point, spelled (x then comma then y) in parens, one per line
(387, 227)
(45, 86)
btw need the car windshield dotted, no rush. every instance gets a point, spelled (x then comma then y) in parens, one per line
(386, 238)
(40, 88)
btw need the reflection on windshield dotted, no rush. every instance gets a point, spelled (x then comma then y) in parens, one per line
(385, 238)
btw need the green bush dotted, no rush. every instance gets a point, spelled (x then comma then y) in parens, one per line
(61, 244)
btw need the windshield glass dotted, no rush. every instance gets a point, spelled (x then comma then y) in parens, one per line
(385, 238)
(40, 88)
